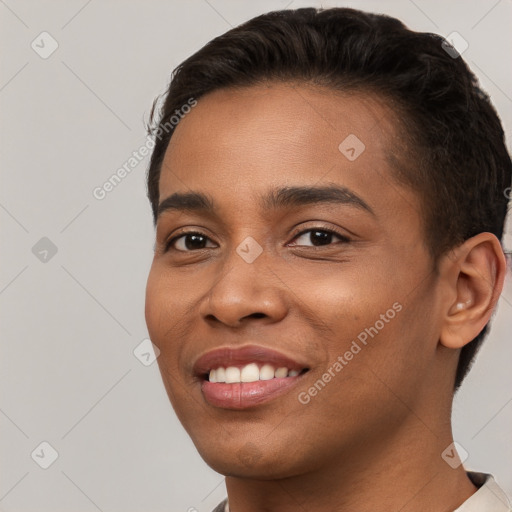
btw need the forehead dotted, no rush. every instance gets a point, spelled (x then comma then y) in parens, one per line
(244, 141)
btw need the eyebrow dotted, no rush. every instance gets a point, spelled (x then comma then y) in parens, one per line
(277, 198)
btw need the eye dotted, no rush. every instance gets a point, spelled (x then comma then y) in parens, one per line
(194, 240)
(320, 236)
(188, 241)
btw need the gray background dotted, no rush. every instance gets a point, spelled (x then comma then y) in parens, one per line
(70, 323)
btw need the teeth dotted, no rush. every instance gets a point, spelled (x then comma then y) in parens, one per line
(267, 372)
(281, 372)
(232, 374)
(221, 374)
(249, 373)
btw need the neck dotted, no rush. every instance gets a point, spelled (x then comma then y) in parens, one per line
(405, 473)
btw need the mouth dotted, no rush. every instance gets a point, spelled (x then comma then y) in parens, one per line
(250, 372)
(246, 377)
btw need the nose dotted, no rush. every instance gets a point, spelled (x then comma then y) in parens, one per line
(245, 291)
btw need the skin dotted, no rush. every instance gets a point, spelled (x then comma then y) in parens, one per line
(372, 438)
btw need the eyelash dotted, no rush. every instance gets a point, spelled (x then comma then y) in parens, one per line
(344, 239)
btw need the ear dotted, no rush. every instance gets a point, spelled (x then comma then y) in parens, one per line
(473, 275)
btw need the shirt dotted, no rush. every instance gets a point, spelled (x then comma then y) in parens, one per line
(488, 498)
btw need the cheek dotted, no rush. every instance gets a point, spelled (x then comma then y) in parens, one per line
(163, 311)
(348, 301)
(162, 319)
(367, 319)
(153, 304)
(171, 319)
(391, 348)
(165, 296)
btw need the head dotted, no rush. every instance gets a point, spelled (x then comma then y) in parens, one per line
(373, 137)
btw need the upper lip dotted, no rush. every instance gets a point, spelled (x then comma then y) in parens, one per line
(230, 356)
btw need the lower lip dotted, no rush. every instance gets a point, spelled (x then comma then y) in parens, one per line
(242, 395)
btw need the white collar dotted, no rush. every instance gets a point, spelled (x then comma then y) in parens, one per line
(488, 498)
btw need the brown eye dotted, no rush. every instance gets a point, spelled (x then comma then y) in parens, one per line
(319, 237)
(187, 242)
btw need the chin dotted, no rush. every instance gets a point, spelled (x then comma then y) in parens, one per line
(250, 461)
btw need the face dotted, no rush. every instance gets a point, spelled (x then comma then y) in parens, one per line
(331, 273)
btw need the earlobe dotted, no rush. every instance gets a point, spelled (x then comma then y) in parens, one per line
(474, 274)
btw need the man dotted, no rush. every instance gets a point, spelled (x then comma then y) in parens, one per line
(328, 190)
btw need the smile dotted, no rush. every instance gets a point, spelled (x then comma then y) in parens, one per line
(240, 378)
(250, 373)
